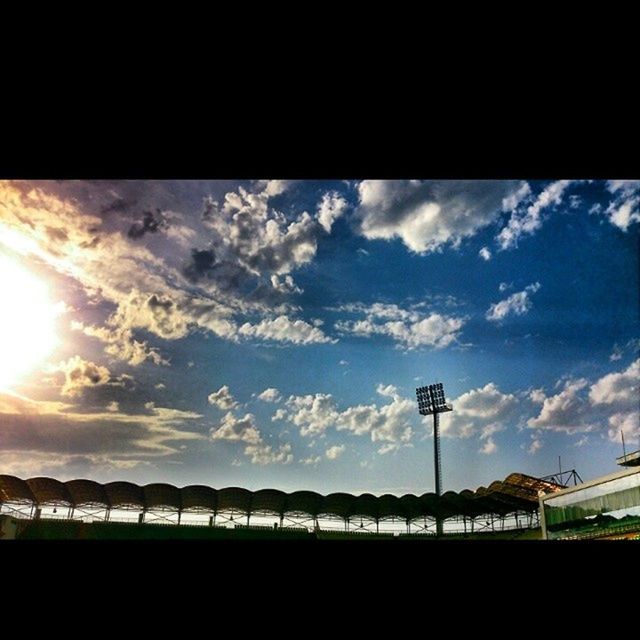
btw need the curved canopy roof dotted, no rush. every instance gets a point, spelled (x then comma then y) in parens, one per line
(49, 491)
(86, 492)
(162, 495)
(197, 497)
(14, 489)
(124, 495)
(516, 492)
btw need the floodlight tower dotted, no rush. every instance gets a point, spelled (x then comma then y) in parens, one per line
(431, 401)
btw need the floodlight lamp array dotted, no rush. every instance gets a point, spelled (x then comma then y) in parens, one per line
(431, 399)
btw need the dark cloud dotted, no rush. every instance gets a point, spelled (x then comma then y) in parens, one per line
(226, 274)
(151, 223)
(119, 204)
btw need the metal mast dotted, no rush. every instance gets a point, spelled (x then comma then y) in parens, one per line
(431, 401)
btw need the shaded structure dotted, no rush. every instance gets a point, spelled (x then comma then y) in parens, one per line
(516, 498)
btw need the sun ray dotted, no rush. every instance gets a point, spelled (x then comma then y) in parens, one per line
(27, 322)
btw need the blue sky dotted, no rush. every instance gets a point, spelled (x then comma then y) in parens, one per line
(271, 333)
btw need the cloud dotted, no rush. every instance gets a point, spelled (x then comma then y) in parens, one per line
(151, 223)
(516, 304)
(263, 454)
(335, 452)
(485, 410)
(331, 207)
(275, 187)
(517, 197)
(311, 460)
(618, 352)
(624, 209)
(231, 280)
(427, 215)
(488, 447)
(284, 284)
(285, 329)
(619, 389)
(121, 345)
(270, 395)
(526, 220)
(504, 286)
(222, 399)
(246, 233)
(565, 411)
(313, 414)
(410, 328)
(627, 423)
(79, 374)
(535, 446)
(485, 254)
(611, 402)
(112, 438)
(245, 430)
(233, 428)
(113, 407)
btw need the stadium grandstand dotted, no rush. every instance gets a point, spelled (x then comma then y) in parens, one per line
(45, 507)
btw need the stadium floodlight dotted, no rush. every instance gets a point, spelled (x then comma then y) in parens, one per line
(432, 401)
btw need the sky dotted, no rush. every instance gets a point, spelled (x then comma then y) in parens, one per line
(271, 333)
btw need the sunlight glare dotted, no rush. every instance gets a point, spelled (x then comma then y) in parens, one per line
(27, 322)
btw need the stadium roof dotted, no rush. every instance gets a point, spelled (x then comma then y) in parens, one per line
(517, 492)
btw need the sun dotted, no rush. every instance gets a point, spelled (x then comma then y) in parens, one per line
(27, 322)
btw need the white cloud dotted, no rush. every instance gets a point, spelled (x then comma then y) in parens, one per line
(619, 389)
(222, 399)
(565, 411)
(270, 395)
(263, 454)
(624, 209)
(426, 215)
(535, 446)
(120, 343)
(80, 374)
(335, 452)
(275, 187)
(618, 352)
(515, 198)
(516, 304)
(343, 363)
(526, 221)
(311, 460)
(160, 385)
(313, 414)
(234, 428)
(488, 447)
(410, 328)
(284, 284)
(485, 410)
(245, 430)
(537, 395)
(484, 253)
(627, 423)
(285, 329)
(247, 237)
(331, 207)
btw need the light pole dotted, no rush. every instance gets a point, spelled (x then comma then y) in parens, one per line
(431, 401)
